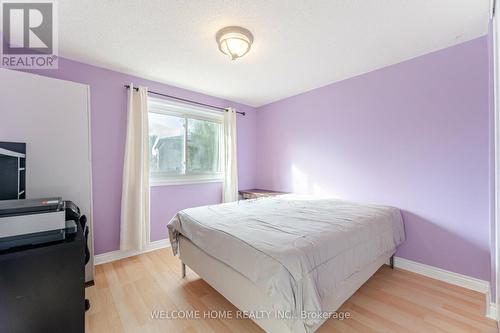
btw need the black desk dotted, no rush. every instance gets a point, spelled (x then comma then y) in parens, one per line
(42, 288)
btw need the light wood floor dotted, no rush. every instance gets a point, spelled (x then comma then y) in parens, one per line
(127, 291)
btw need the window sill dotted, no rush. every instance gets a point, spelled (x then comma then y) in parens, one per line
(172, 182)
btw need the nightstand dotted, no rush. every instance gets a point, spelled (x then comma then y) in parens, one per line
(257, 193)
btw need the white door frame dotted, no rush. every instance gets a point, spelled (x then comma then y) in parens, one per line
(496, 193)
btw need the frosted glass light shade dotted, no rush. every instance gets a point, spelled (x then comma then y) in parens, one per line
(234, 41)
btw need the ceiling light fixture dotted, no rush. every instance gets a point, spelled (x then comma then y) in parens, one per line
(234, 41)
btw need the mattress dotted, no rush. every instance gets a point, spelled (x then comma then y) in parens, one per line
(297, 250)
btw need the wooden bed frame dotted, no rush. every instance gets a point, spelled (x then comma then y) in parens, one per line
(246, 296)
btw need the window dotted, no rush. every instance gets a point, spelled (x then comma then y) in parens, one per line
(185, 143)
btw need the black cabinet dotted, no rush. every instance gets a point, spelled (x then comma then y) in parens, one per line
(42, 288)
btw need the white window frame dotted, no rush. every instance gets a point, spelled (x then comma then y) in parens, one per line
(186, 111)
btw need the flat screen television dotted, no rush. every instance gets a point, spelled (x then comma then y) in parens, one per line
(12, 170)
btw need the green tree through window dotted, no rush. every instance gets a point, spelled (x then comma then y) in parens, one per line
(203, 146)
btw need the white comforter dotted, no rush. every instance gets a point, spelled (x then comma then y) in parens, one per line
(296, 249)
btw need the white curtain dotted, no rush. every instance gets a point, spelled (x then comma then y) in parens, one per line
(230, 191)
(134, 231)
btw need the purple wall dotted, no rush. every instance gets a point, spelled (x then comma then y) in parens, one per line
(179, 197)
(108, 121)
(491, 107)
(413, 135)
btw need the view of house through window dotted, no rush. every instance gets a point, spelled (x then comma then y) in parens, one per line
(185, 143)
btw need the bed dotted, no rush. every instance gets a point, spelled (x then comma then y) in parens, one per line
(289, 261)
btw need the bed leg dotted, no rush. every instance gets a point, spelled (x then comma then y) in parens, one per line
(391, 262)
(183, 266)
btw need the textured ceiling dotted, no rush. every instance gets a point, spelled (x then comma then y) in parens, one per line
(299, 44)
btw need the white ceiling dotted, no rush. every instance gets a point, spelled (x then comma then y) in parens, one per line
(299, 44)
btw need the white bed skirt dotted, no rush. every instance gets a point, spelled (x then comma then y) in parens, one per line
(243, 293)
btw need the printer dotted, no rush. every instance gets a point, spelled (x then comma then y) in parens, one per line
(36, 221)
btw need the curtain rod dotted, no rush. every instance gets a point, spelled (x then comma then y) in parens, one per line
(185, 100)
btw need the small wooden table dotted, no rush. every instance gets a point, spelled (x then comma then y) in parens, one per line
(258, 193)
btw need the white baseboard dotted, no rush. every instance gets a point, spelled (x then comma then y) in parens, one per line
(492, 311)
(443, 275)
(451, 278)
(117, 255)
